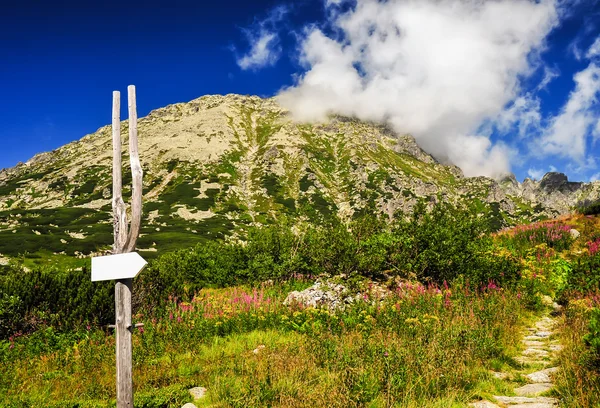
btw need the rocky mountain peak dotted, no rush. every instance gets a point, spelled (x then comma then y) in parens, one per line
(220, 163)
(554, 181)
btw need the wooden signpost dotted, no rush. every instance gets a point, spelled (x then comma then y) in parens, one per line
(124, 264)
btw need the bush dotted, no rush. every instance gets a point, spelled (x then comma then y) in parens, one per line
(585, 276)
(48, 297)
(451, 242)
(589, 207)
(523, 237)
(443, 244)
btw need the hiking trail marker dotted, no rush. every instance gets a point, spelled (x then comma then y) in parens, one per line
(124, 264)
(119, 266)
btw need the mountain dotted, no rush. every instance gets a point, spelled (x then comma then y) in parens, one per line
(218, 164)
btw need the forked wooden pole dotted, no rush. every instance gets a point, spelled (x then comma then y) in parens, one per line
(136, 173)
(118, 206)
(124, 241)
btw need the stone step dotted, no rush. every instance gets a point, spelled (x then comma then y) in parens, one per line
(512, 401)
(535, 352)
(534, 343)
(483, 404)
(527, 361)
(542, 376)
(532, 390)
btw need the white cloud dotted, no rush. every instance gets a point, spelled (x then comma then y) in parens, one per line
(567, 132)
(264, 52)
(594, 50)
(535, 174)
(595, 177)
(524, 114)
(582, 167)
(263, 37)
(549, 75)
(435, 68)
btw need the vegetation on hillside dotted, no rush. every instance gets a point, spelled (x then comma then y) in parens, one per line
(442, 302)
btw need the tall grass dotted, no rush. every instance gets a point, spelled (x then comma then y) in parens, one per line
(419, 346)
(578, 382)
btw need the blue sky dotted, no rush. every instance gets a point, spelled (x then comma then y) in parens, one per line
(61, 61)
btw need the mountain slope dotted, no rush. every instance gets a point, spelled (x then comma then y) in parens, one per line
(218, 164)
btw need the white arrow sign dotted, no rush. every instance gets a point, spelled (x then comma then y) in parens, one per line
(120, 266)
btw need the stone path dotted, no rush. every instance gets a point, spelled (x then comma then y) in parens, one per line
(537, 358)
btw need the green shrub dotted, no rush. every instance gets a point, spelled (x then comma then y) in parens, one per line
(588, 207)
(11, 313)
(49, 297)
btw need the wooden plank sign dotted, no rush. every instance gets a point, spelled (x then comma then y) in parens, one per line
(115, 267)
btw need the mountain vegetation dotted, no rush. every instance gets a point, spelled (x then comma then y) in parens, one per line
(218, 165)
(243, 206)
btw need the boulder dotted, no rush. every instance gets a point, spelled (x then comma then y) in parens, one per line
(331, 296)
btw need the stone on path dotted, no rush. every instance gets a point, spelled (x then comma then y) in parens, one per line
(189, 405)
(542, 376)
(533, 389)
(535, 352)
(533, 343)
(513, 401)
(483, 404)
(197, 392)
(532, 361)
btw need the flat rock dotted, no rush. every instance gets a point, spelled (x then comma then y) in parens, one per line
(542, 376)
(536, 405)
(524, 401)
(530, 361)
(197, 392)
(533, 337)
(534, 343)
(483, 404)
(543, 334)
(533, 389)
(535, 352)
(189, 405)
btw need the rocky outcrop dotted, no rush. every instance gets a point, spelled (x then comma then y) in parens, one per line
(331, 296)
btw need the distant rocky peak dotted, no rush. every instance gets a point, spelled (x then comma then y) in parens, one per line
(509, 179)
(555, 181)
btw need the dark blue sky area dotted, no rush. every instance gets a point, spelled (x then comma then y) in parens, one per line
(61, 60)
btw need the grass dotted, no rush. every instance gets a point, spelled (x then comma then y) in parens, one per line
(578, 382)
(422, 346)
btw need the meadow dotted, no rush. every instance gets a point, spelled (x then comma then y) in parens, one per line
(442, 305)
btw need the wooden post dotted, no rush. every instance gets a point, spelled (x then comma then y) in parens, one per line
(124, 241)
(123, 346)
